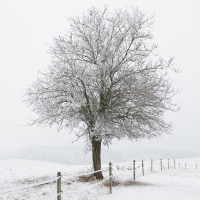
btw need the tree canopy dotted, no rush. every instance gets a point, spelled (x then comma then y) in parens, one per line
(105, 79)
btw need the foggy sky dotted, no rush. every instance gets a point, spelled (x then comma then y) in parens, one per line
(27, 27)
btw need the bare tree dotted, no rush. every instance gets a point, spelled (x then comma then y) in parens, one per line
(105, 80)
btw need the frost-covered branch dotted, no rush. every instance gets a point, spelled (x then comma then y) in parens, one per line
(105, 79)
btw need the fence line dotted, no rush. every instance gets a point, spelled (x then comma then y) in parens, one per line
(30, 185)
(109, 168)
(59, 192)
(162, 167)
(49, 181)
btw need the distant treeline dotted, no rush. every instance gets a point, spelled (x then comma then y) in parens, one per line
(78, 156)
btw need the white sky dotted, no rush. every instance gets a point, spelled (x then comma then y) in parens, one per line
(25, 28)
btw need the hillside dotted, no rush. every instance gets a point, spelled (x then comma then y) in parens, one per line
(20, 179)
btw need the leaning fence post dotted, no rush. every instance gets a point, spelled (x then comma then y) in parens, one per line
(151, 165)
(110, 176)
(134, 170)
(59, 186)
(142, 168)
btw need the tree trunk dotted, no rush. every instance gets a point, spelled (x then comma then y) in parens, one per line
(96, 156)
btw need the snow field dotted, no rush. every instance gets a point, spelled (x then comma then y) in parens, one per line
(17, 175)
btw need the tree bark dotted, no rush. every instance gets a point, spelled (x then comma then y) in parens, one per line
(96, 156)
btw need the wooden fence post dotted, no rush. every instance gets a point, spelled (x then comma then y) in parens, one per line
(174, 164)
(179, 165)
(59, 186)
(168, 163)
(142, 168)
(185, 165)
(110, 177)
(161, 164)
(151, 165)
(196, 166)
(134, 170)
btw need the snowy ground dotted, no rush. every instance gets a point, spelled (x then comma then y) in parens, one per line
(19, 180)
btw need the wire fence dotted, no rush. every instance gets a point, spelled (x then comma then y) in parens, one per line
(130, 169)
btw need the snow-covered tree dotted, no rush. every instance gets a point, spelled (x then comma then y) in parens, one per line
(105, 80)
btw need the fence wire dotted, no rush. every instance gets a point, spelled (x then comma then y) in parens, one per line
(156, 166)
